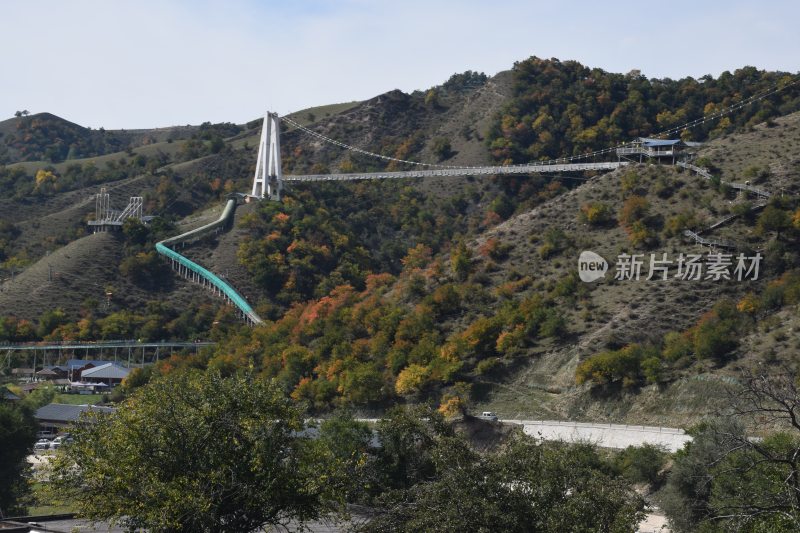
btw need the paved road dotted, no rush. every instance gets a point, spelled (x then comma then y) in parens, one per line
(604, 435)
(617, 436)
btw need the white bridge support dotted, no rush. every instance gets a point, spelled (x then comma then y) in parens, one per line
(102, 206)
(132, 210)
(268, 181)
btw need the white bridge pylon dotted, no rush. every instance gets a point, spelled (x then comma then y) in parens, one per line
(268, 182)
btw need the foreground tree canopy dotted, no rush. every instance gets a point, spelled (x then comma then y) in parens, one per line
(726, 480)
(528, 487)
(195, 453)
(205, 453)
(17, 434)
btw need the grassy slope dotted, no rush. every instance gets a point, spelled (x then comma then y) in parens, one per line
(81, 270)
(626, 312)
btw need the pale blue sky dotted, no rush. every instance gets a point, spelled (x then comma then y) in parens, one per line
(149, 63)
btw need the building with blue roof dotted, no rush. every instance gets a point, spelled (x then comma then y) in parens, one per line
(659, 149)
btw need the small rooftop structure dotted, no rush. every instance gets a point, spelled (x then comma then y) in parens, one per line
(6, 394)
(659, 149)
(108, 373)
(51, 373)
(30, 387)
(87, 387)
(72, 364)
(22, 372)
(59, 415)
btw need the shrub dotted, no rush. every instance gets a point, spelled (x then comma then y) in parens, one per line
(677, 224)
(716, 334)
(555, 241)
(634, 209)
(555, 325)
(612, 365)
(641, 464)
(773, 219)
(630, 182)
(487, 365)
(461, 261)
(596, 214)
(677, 345)
(442, 148)
(144, 268)
(633, 218)
(495, 249)
(411, 379)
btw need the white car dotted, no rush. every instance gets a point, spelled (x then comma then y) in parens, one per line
(60, 441)
(488, 415)
(41, 444)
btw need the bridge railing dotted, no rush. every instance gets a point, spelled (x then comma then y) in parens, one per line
(649, 152)
(460, 171)
(708, 242)
(738, 186)
(598, 425)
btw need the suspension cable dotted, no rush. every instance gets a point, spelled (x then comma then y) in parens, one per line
(776, 88)
(359, 150)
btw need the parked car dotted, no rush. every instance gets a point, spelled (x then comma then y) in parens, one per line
(60, 441)
(488, 415)
(41, 444)
(45, 434)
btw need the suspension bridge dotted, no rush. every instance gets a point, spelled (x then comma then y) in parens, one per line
(269, 180)
(268, 184)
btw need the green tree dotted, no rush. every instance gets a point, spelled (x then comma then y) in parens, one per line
(408, 437)
(196, 452)
(528, 487)
(134, 231)
(725, 480)
(17, 435)
(461, 261)
(39, 397)
(442, 148)
(347, 444)
(774, 219)
(50, 320)
(641, 464)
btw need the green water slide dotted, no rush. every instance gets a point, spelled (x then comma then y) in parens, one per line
(195, 271)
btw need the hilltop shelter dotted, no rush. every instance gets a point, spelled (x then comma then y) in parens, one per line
(109, 374)
(659, 149)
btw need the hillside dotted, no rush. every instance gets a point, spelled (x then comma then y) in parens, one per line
(531, 258)
(77, 279)
(47, 137)
(448, 290)
(617, 314)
